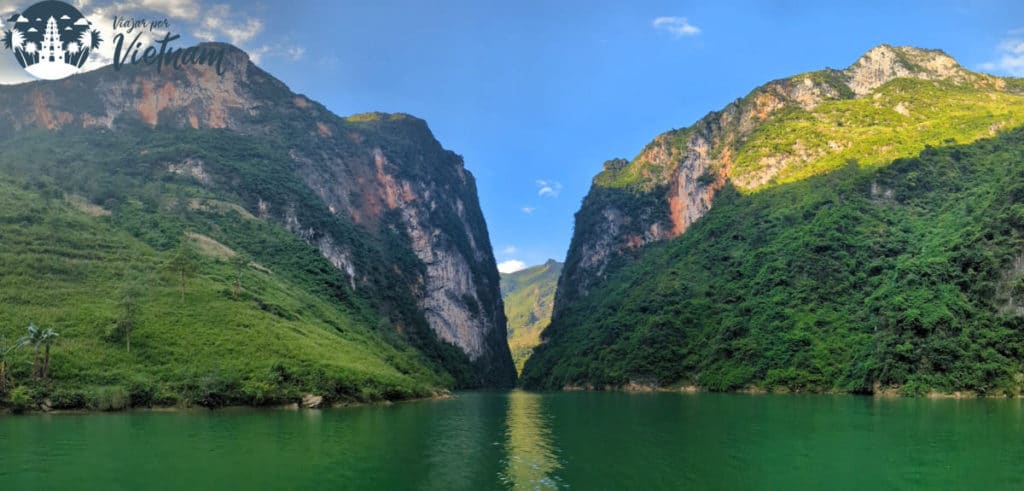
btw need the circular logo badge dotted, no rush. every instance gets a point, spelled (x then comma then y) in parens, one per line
(51, 39)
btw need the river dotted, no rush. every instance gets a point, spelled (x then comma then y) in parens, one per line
(523, 440)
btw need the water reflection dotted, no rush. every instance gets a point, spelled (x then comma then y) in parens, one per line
(532, 458)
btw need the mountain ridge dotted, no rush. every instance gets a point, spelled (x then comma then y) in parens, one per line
(399, 238)
(661, 287)
(762, 140)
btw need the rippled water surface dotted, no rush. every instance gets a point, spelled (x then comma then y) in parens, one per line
(522, 440)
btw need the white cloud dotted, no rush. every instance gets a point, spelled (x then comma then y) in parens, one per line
(511, 266)
(256, 54)
(677, 26)
(207, 22)
(508, 250)
(219, 21)
(550, 189)
(1011, 60)
(181, 9)
(528, 210)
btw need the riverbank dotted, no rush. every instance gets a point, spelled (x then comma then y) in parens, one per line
(877, 392)
(307, 402)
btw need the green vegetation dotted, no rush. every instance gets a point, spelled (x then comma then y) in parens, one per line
(529, 296)
(863, 279)
(273, 342)
(900, 119)
(165, 287)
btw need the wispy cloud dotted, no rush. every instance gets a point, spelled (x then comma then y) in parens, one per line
(1011, 59)
(677, 26)
(511, 266)
(550, 189)
(221, 22)
(182, 9)
(509, 250)
(296, 52)
(528, 210)
(205, 20)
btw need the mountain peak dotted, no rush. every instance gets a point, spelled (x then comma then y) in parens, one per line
(233, 55)
(884, 63)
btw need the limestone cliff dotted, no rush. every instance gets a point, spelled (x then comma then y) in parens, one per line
(401, 222)
(674, 179)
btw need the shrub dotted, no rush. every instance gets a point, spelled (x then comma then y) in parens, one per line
(111, 398)
(164, 396)
(259, 392)
(20, 399)
(215, 390)
(141, 391)
(67, 399)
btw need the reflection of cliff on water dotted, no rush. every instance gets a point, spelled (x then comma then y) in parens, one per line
(532, 457)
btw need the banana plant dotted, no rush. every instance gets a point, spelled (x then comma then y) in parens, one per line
(41, 340)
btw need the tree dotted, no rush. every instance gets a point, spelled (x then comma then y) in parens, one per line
(240, 262)
(41, 340)
(129, 307)
(33, 338)
(182, 264)
(49, 336)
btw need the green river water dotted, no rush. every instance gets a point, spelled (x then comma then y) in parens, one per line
(523, 440)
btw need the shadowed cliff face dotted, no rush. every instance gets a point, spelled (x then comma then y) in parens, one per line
(377, 174)
(673, 181)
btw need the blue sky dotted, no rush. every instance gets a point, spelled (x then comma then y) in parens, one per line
(536, 95)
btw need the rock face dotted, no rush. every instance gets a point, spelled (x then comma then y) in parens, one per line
(884, 63)
(674, 180)
(312, 401)
(379, 175)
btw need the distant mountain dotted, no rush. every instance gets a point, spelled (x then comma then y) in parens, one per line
(529, 296)
(369, 271)
(792, 241)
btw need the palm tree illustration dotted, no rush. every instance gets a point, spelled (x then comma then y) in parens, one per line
(71, 53)
(33, 51)
(88, 40)
(96, 40)
(15, 40)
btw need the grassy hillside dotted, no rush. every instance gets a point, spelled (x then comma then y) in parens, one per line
(859, 280)
(898, 119)
(104, 217)
(529, 296)
(69, 267)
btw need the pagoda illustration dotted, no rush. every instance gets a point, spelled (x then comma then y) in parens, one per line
(51, 49)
